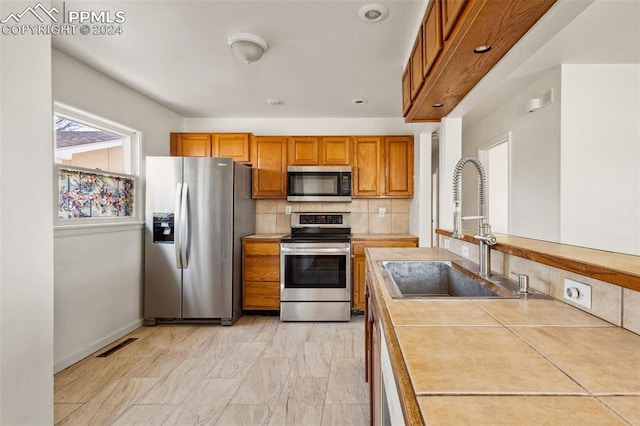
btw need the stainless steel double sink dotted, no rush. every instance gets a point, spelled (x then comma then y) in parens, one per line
(438, 279)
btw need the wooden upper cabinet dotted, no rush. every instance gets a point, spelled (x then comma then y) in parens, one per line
(319, 150)
(416, 65)
(303, 151)
(406, 90)
(451, 30)
(451, 10)
(432, 36)
(367, 166)
(234, 145)
(398, 166)
(335, 151)
(190, 144)
(269, 160)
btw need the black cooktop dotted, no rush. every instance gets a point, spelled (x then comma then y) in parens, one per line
(314, 235)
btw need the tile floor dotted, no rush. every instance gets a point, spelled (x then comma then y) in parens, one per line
(259, 371)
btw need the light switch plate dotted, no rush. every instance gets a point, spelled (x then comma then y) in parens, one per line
(465, 250)
(382, 211)
(577, 292)
(447, 243)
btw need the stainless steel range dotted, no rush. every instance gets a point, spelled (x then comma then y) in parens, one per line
(315, 268)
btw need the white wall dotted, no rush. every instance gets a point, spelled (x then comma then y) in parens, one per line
(99, 271)
(26, 236)
(303, 126)
(534, 201)
(601, 157)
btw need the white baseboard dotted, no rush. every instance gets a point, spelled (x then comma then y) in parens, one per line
(96, 345)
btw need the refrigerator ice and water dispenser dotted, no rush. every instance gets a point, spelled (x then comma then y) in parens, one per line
(163, 228)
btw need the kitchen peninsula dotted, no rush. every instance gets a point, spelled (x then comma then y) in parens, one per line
(471, 361)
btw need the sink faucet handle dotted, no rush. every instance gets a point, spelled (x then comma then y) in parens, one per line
(523, 282)
(487, 239)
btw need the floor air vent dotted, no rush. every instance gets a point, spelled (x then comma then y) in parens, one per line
(117, 347)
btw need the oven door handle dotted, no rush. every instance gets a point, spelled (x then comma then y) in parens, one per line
(305, 251)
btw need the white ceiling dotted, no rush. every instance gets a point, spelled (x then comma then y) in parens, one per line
(321, 56)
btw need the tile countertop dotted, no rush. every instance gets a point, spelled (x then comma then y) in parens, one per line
(353, 236)
(495, 361)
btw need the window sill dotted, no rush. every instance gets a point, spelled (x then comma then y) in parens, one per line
(96, 228)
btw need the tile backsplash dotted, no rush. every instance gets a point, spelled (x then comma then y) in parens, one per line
(365, 217)
(610, 302)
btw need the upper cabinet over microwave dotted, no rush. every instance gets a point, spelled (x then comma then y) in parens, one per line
(319, 183)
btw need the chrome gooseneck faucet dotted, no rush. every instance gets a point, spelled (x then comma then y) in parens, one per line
(484, 236)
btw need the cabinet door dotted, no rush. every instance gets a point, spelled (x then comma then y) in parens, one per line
(432, 33)
(261, 296)
(367, 166)
(375, 384)
(303, 151)
(406, 90)
(234, 145)
(269, 160)
(398, 154)
(191, 144)
(335, 151)
(359, 299)
(451, 10)
(416, 65)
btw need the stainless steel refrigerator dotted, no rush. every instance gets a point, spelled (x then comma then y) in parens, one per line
(197, 210)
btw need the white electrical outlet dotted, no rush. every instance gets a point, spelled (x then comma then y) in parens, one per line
(382, 211)
(447, 243)
(287, 209)
(577, 292)
(465, 250)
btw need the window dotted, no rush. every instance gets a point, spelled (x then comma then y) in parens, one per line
(96, 168)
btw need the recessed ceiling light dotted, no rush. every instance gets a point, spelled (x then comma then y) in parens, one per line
(482, 49)
(372, 13)
(275, 101)
(360, 101)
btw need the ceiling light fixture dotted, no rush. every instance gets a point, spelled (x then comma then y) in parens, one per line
(247, 47)
(373, 13)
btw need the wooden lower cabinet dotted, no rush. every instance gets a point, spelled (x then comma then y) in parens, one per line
(358, 300)
(261, 274)
(373, 348)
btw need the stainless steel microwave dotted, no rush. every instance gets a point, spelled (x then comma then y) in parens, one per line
(319, 183)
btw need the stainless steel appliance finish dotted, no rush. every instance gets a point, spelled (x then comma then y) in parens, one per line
(197, 210)
(319, 183)
(315, 268)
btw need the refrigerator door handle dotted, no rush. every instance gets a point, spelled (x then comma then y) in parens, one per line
(185, 238)
(178, 231)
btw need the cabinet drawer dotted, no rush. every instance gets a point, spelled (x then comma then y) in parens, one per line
(262, 249)
(357, 248)
(261, 295)
(261, 268)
